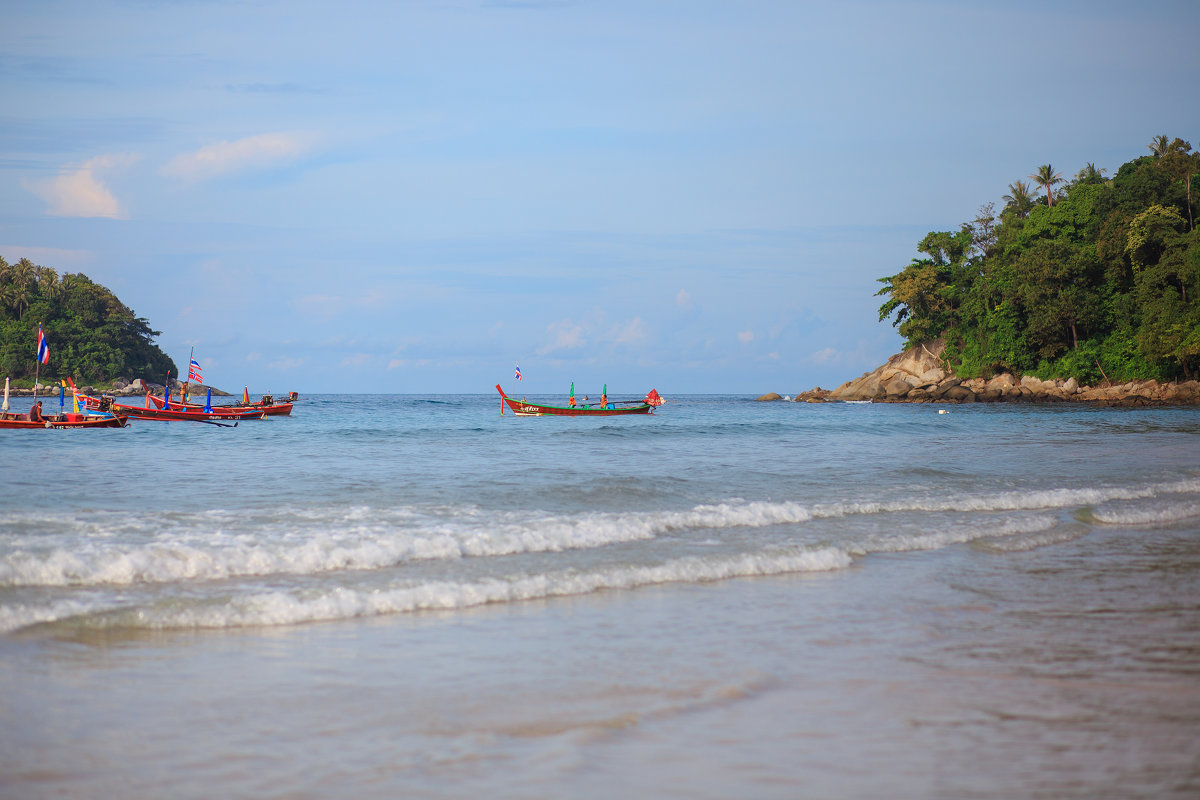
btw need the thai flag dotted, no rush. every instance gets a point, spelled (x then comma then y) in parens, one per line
(194, 372)
(43, 347)
(518, 371)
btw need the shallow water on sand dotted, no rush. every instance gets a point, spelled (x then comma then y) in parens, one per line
(414, 596)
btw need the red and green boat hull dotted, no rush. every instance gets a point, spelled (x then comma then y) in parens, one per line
(526, 409)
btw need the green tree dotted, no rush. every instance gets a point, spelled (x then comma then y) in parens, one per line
(1158, 145)
(1047, 178)
(1019, 199)
(94, 335)
(1182, 164)
(1089, 174)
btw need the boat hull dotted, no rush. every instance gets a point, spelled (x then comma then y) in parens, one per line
(177, 414)
(525, 409)
(166, 415)
(273, 410)
(63, 421)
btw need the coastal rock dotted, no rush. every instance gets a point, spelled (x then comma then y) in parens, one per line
(931, 377)
(898, 388)
(815, 395)
(1002, 382)
(919, 375)
(959, 394)
(769, 396)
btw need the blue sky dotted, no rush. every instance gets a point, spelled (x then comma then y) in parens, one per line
(412, 196)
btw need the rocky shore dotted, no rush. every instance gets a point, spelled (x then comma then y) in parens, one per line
(919, 375)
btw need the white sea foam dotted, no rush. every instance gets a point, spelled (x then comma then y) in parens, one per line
(286, 608)
(1163, 514)
(957, 534)
(1031, 541)
(1010, 501)
(113, 549)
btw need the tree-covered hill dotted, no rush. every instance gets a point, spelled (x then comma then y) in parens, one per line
(93, 336)
(1095, 278)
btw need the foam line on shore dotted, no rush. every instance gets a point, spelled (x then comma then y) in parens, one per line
(218, 545)
(340, 603)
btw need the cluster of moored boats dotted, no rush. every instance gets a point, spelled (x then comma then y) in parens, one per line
(104, 411)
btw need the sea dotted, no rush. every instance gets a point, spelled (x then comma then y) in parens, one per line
(403, 596)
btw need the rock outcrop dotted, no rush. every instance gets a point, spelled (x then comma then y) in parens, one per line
(918, 375)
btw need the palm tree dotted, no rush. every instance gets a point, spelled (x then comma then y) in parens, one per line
(1158, 145)
(1046, 177)
(1090, 174)
(21, 274)
(48, 284)
(1019, 199)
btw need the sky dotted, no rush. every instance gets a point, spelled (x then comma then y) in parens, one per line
(412, 197)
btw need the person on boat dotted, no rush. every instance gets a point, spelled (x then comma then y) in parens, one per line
(35, 412)
(604, 401)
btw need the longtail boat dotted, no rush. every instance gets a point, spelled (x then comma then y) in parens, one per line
(61, 421)
(608, 409)
(267, 406)
(35, 419)
(105, 403)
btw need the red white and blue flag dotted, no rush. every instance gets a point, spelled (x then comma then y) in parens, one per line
(518, 370)
(194, 372)
(43, 347)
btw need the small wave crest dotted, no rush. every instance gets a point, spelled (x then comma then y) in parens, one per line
(98, 549)
(1159, 514)
(342, 602)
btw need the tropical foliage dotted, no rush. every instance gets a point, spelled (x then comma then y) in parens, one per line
(93, 336)
(1098, 281)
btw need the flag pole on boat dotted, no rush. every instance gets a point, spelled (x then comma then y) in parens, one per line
(43, 357)
(183, 393)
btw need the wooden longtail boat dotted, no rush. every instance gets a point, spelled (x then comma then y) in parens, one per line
(62, 421)
(267, 407)
(165, 415)
(525, 409)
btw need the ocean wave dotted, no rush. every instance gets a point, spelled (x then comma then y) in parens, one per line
(1164, 514)
(115, 549)
(899, 542)
(341, 602)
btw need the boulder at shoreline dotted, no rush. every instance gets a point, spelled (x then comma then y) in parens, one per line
(918, 375)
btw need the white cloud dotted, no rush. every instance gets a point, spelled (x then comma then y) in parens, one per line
(746, 337)
(825, 356)
(631, 332)
(684, 299)
(564, 335)
(78, 192)
(356, 360)
(250, 153)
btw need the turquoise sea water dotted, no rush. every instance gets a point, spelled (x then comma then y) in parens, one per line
(386, 596)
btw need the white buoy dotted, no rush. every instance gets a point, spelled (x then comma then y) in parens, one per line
(943, 411)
